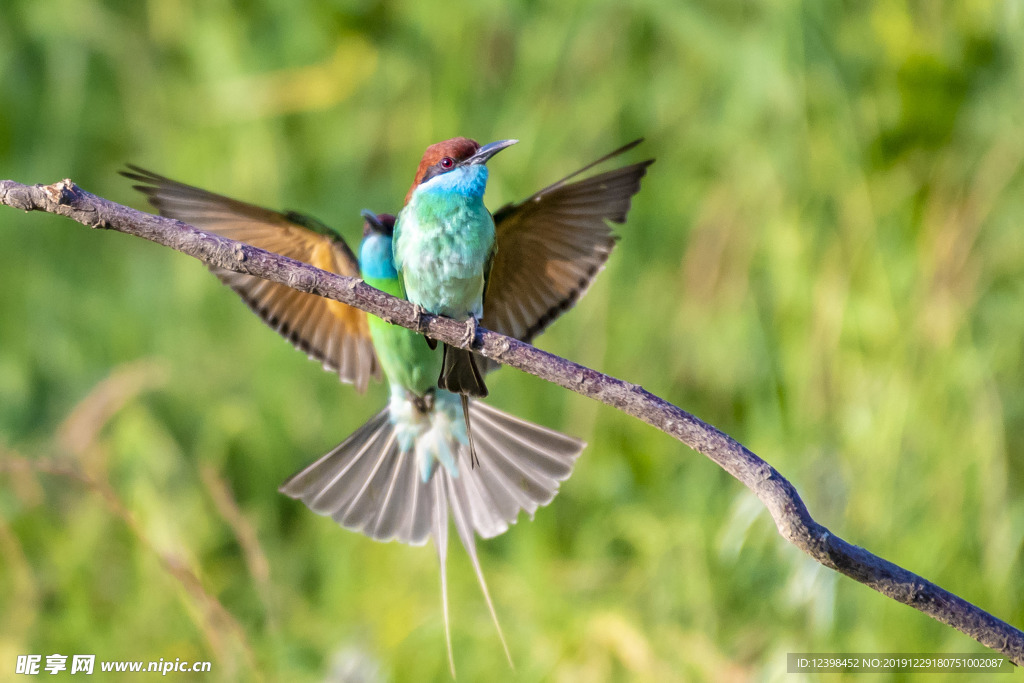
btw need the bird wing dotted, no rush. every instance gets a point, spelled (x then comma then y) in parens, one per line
(551, 246)
(333, 333)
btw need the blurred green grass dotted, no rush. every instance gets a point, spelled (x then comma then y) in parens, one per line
(825, 262)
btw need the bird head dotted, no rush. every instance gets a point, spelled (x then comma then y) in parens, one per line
(377, 223)
(453, 156)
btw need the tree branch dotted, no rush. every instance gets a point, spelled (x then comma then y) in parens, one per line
(791, 517)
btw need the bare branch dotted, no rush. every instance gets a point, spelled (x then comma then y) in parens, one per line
(780, 497)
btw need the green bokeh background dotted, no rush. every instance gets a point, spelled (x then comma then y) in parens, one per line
(826, 261)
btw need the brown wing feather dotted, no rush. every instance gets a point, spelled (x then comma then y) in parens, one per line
(333, 333)
(552, 246)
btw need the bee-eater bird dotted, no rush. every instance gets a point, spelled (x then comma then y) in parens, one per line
(384, 480)
(444, 242)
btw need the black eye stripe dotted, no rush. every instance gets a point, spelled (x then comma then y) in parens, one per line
(437, 169)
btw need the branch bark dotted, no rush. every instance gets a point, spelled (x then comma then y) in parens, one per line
(781, 499)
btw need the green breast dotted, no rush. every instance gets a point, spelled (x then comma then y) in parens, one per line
(405, 357)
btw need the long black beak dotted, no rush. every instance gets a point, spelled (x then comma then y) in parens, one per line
(371, 218)
(489, 150)
(379, 224)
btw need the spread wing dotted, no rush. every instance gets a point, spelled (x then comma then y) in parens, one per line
(329, 331)
(551, 246)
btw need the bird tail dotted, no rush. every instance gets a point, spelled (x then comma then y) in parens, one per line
(460, 373)
(371, 485)
(367, 484)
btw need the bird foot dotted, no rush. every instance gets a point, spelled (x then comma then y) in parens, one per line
(421, 326)
(420, 312)
(469, 338)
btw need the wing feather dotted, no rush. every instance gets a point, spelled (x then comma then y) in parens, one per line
(552, 246)
(336, 335)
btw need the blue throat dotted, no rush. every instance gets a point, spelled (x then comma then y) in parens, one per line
(465, 181)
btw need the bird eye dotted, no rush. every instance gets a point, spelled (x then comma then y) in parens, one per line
(447, 162)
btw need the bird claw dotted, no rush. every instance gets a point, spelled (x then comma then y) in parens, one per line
(420, 312)
(469, 338)
(421, 326)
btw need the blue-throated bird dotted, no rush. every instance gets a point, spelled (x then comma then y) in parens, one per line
(383, 480)
(444, 243)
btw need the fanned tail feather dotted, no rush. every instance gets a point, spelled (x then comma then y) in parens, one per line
(367, 484)
(521, 466)
(440, 532)
(463, 525)
(469, 431)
